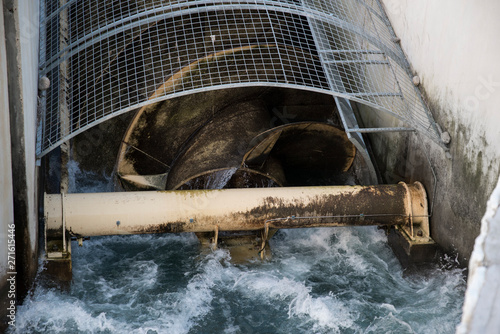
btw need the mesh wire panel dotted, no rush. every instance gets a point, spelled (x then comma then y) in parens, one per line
(108, 57)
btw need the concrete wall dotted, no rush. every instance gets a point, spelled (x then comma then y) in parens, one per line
(20, 25)
(482, 305)
(452, 46)
(29, 45)
(6, 204)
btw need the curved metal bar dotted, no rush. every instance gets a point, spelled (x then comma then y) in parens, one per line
(212, 88)
(195, 2)
(298, 10)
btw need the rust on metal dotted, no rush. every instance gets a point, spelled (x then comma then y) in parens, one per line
(161, 228)
(305, 146)
(221, 143)
(238, 209)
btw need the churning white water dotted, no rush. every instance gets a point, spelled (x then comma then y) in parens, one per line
(328, 280)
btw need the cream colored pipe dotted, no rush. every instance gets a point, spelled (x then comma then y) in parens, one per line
(233, 209)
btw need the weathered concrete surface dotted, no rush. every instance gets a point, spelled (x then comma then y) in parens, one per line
(21, 30)
(6, 204)
(451, 47)
(482, 300)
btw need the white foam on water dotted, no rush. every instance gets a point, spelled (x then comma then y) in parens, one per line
(363, 268)
(389, 324)
(143, 274)
(52, 312)
(389, 307)
(325, 311)
(232, 329)
(195, 301)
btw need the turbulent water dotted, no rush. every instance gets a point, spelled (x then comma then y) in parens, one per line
(329, 280)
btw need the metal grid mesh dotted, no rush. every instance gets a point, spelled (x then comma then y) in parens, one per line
(108, 57)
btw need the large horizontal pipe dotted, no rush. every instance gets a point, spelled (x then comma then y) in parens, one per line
(234, 209)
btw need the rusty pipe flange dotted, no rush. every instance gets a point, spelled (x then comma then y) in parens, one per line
(417, 227)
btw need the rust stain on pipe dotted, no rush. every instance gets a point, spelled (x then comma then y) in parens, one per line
(235, 209)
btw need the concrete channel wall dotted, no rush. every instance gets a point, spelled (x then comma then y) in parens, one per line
(6, 205)
(18, 114)
(452, 47)
(482, 304)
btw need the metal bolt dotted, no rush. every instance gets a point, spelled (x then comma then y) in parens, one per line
(416, 80)
(445, 137)
(118, 223)
(43, 83)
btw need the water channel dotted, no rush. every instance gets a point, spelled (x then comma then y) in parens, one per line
(325, 280)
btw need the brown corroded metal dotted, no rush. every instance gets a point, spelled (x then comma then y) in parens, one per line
(220, 143)
(158, 132)
(305, 147)
(235, 209)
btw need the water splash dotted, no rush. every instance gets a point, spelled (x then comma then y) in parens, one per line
(342, 280)
(87, 182)
(219, 179)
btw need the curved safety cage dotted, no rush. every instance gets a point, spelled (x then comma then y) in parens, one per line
(104, 58)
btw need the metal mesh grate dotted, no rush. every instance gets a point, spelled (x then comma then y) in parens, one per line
(105, 58)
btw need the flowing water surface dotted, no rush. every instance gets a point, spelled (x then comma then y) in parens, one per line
(324, 280)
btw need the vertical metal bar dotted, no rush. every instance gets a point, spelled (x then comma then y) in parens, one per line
(42, 103)
(216, 236)
(392, 69)
(64, 114)
(63, 217)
